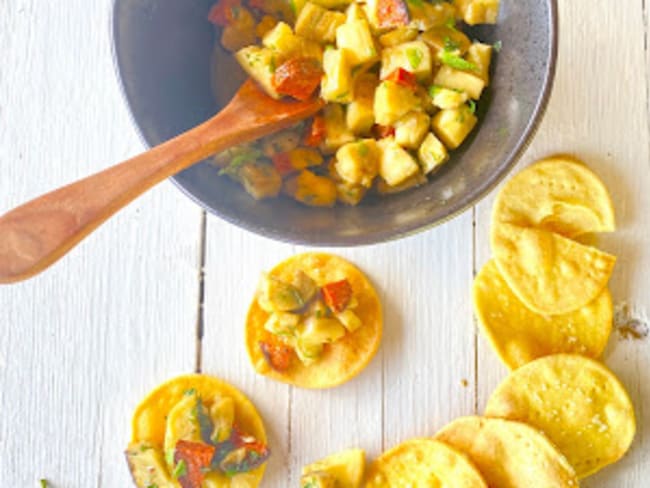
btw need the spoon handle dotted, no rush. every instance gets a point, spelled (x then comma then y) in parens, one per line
(38, 233)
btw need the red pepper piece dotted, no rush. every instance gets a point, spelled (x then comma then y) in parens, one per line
(197, 457)
(282, 163)
(403, 77)
(337, 295)
(276, 354)
(298, 78)
(392, 13)
(381, 131)
(316, 132)
(222, 14)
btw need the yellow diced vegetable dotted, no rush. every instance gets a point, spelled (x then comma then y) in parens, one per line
(444, 37)
(355, 12)
(395, 164)
(336, 130)
(360, 116)
(478, 11)
(357, 162)
(355, 37)
(454, 125)
(311, 189)
(282, 323)
(411, 129)
(316, 330)
(424, 15)
(412, 56)
(432, 153)
(318, 24)
(349, 194)
(416, 180)
(446, 97)
(286, 44)
(398, 36)
(240, 33)
(393, 101)
(481, 56)
(259, 63)
(307, 352)
(303, 157)
(147, 465)
(261, 180)
(265, 26)
(336, 85)
(460, 80)
(222, 413)
(182, 424)
(275, 295)
(349, 319)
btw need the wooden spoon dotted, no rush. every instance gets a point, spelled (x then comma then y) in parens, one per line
(38, 233)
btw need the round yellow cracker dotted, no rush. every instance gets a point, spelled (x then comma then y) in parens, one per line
(423, 463)
(549, 273)
(341, 360)
(509, 454)
(149, 419)
(580, 405)
(558, 194)
(519, 335)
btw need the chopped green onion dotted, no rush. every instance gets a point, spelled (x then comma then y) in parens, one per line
(414, 57)
(456, 62)
(434, 90)
(451, 45)
(472, 106)
(497, 46)
(180, 470)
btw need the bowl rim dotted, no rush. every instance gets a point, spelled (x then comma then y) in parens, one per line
(472, 199)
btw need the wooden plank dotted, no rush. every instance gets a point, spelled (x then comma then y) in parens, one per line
(234, 261)
(85, 341)
(598, 112)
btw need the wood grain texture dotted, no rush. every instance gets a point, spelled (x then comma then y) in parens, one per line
(598, 112)
(82, 343)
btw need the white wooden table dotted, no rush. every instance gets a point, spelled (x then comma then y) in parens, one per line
(82, 343)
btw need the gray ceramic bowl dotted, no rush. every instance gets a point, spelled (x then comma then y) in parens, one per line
(164, 54)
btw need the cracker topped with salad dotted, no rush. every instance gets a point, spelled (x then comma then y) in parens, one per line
(401, 82)
(315, 322)
(196, 431)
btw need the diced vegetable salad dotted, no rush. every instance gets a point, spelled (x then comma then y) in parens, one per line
(305, 317)
(400, 78)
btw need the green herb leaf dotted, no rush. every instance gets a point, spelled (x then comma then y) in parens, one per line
(472, 106)
(180, 470)
(497, 46)
(190, 392)
(451, 45)
(246, 156)
(434, 90)
(414, 57)
(169, 456)
(310, 484)
(455, 61)
(451, 23)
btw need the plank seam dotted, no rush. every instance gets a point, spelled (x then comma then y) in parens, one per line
(644, 10)
(200, 313)
(474, 324)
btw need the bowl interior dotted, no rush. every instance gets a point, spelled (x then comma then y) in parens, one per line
(165, 56)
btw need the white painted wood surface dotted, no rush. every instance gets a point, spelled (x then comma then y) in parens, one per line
(83, 342)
